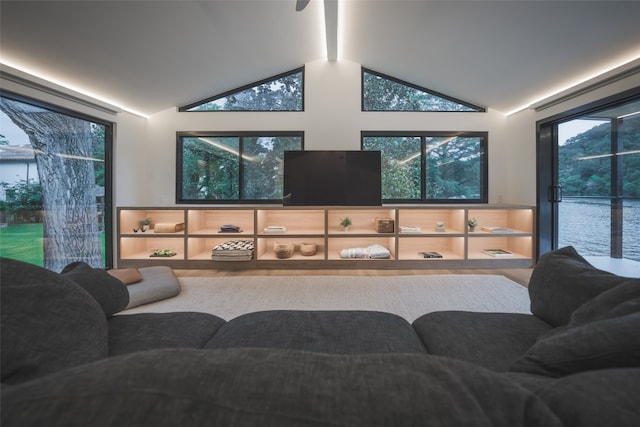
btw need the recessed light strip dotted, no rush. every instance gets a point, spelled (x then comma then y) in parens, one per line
(331, 28)
(589, 88)
(113, 109)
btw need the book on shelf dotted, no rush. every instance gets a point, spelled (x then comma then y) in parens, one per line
(431, 254)
(498, 253)
(496, 229)
(275, 229)
(410, 229)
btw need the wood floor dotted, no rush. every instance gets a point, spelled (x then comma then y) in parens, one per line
(518, 275)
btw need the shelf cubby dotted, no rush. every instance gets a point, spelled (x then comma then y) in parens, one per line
(297, 221)
(265, 250)
(519, 246)
(427, 219)
(336, 245)
(143, 247)
(128, 220)
(209, 221)
(363, 221)
(448, 247)
(520, 221)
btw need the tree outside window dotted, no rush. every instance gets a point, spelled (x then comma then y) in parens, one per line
(233, 167)
(69, 220)
(431, 167)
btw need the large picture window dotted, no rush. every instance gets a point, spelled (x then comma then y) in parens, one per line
(232, 167)
(55, 185)
(431, 167)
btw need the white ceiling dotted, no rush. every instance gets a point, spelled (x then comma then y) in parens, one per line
(148, 56)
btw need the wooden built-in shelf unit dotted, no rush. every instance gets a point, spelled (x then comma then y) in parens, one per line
(459, 247)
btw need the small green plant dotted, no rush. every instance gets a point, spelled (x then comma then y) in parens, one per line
(145, 221)
(345, 222)
(472, 222)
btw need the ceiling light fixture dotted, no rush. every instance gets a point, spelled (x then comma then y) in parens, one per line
(331, 28)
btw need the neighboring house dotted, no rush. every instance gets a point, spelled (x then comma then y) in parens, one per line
(17, 163)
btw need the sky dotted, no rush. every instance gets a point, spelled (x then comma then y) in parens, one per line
(13, 133)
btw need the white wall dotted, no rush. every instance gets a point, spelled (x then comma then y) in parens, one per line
(332, 120)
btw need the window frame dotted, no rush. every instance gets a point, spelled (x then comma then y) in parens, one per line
(108, 161)
(423, 135)
(241, 135)
(363, 70)
(548, 190)
(187, 108)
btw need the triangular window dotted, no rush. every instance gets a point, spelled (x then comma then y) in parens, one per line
(284, 92)
(385, 93)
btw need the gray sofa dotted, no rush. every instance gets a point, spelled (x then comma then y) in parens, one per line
(68, 359)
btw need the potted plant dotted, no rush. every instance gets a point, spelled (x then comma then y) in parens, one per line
(472, 223)
(144, 224)
(345, 223)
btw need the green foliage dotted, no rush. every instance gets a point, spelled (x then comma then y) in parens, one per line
(210, 172)
(281, 94)
(214, 169)
(453, 167)
(582, 173)
(22, 196)
(400, 165)
(263, 166)
(385, 94)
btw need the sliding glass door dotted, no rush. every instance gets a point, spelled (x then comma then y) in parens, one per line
(55, 185)
(589, 181)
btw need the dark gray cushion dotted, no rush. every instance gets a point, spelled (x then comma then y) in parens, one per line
(618, 301)
(147, 331)
(493, 340)
(562, 281)
(345, 332)
(601, 344)
(266, 387)
(111, 293)
(48, 323)
(596, 398)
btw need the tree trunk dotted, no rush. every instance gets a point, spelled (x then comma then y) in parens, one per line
(63, 153)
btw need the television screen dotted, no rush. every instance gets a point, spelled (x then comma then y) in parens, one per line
(332, 178)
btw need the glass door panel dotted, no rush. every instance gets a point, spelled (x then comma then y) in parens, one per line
(598, 176)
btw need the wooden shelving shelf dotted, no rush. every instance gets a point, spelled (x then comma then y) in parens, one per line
(459, 247)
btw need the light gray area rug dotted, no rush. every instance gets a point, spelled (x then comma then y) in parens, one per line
(406, 296)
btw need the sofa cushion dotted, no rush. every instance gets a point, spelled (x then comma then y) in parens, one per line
(147, 331)
(562, 281)
(493, 340)
(110, 292)
(622, 299)
(48, 323)
(344, 332)
(595, 399)
(267, 387)
(602, 344)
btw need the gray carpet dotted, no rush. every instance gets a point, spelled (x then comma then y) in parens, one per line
(407, 296)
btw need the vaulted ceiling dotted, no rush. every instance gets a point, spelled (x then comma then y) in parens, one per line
(152, 55)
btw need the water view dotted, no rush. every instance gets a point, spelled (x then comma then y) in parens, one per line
(586, 225)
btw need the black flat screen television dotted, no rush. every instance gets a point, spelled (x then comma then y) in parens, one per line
(332, 178)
